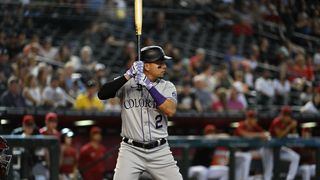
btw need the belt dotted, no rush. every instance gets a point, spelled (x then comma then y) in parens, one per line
(149, 145)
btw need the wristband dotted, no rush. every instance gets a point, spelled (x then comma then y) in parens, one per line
(158, 98)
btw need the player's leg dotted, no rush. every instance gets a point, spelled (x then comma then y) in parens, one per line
(312, 170)
(304, 171)
(161, 164)
(218, 172)
(129, 164)
(288, 154)
(243, 162)
(267, 162)
(198, 172)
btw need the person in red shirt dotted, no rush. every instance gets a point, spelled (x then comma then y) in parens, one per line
(91, 153)
(249, 128)
(281, 127)
(51, 125)
(68, 156)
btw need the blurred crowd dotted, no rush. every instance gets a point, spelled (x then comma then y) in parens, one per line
(44, 70)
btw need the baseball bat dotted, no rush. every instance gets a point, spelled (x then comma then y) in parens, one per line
(138, 24)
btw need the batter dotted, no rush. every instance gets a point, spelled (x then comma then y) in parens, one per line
(144, 115)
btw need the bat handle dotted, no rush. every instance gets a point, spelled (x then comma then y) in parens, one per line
(139, 57)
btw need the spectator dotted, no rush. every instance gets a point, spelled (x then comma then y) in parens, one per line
(204, 96)
(241, 87)
(31, 91)
(53, 95)
(51, 124)
(42, 76)
(209, 77)
(303, 23)
(90, 154)
(242, 28)
(89, 99)
(113, 104)
(47, 50)
(66, 76)
(13, 97)
(233, 102)
(179, 72)
(282, 89)
(86, 60)
(5, 66)
(264, 88)
(301, 69)
(64, 55)
(187, 99)
(281, 127)
(220, 104)
(195, 65)
(68, 158)
(192, 24)
(313, 106)
(100, 74)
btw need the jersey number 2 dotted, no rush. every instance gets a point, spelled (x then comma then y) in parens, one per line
(158, 121)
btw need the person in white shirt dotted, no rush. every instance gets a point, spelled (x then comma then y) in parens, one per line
(282, 88)
(312, 106)
(265, 89)
(31, 91)
(53, 95)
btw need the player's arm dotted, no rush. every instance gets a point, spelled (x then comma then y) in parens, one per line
(285, 131)
(109, 89)
(163, 102)
(249, 134)
(168, 107)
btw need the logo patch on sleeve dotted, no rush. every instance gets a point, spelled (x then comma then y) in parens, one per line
(174, 95)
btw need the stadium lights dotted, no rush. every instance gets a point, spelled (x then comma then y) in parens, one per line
(84, 123)
(4, 121)
(309, 125)
(234, 124)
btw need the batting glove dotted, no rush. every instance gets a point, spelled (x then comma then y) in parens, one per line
(136, 67)
(142, 79)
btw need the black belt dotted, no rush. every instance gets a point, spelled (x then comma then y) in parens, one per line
(150, 145)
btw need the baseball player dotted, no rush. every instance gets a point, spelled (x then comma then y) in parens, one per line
(249, 128)
(282, 126)
(144, 115)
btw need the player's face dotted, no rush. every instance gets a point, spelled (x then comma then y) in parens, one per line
(52, 124)
(157, 68)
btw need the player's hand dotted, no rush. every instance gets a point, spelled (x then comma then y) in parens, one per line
(136, 67)
(142, 79)
(293, 124)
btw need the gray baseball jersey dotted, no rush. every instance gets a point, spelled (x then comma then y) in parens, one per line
(141, 120)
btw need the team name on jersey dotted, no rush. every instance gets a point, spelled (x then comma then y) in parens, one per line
(143, 102)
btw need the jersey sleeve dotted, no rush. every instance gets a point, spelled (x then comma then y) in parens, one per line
(170, 92)
(119, 93)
